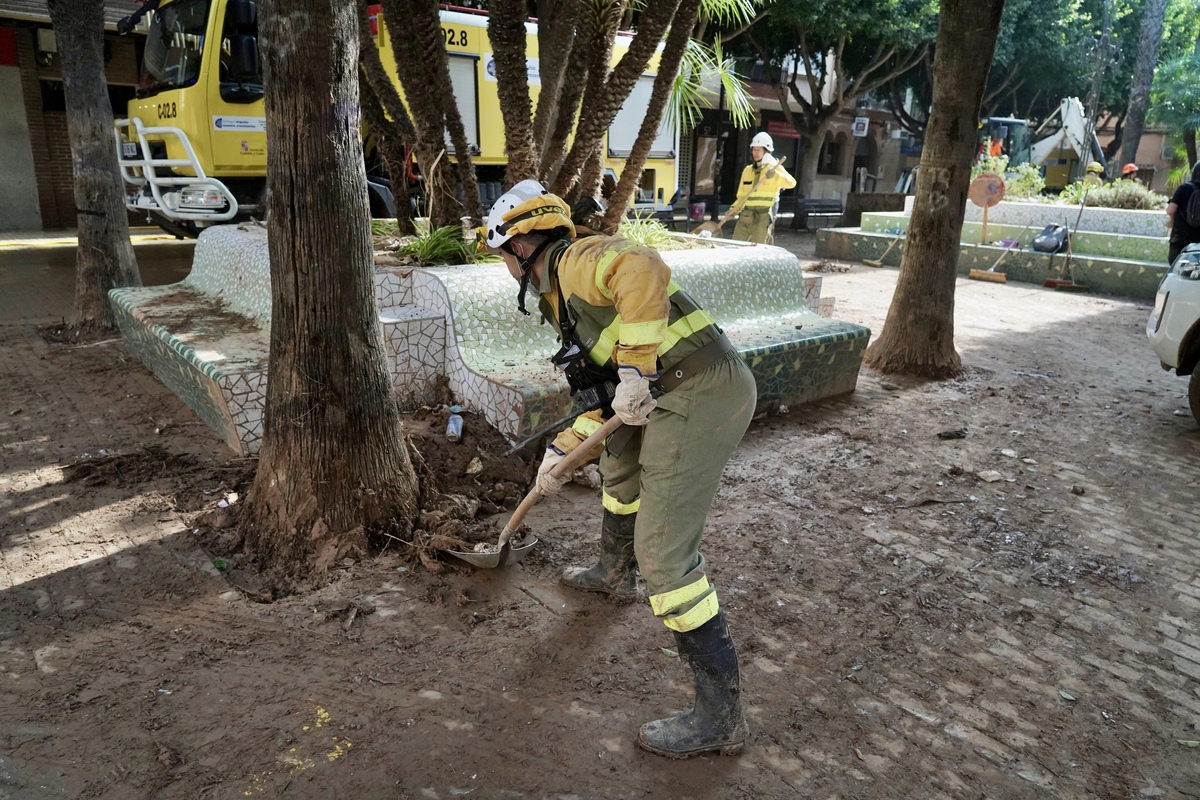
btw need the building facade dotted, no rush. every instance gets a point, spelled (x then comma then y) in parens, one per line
(36, 168)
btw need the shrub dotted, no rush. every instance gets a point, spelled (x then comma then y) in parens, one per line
(441, 246)
(646, 231)
(1020, 182)
(1024, 182)
(1121, 193)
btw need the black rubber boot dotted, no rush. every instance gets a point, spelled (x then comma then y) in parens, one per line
(715, 721)
(614, 573)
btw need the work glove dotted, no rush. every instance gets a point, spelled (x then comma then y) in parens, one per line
(546, 484)
(632, 401)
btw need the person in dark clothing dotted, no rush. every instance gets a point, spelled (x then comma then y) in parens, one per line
(1182, 234)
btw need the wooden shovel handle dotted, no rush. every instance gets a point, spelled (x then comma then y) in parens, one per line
(561, 468)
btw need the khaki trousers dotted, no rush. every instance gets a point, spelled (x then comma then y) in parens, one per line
(669, 471)
(756, 225)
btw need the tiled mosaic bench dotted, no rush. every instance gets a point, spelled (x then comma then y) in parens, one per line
(458, 327)
(497, 360)
(1115, 251)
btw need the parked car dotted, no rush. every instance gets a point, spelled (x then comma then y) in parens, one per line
(1174, 324)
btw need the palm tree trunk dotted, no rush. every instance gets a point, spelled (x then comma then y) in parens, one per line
(1143, 77)
(1189, 144)
(601, 106)
(333, 465)
(411, 44)
(391, 148)
(668, 68)
(556, 42)
(574, 79)
(506, 32)
(918, 334)
(104, 257)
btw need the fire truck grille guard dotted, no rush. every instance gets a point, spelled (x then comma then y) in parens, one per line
(159, 189)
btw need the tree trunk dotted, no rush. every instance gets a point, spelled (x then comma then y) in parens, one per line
(590, 177)
(411, 40)
(1110, 150)
(391, 149)
(506, 33)
(556, 42)
(812, 157)
(600, 107)
(1143, 78)
(1189, 144)
(574, 79)
(334, 466)
(104, 258)
(668, 69)
(918, 334)
(385, 112)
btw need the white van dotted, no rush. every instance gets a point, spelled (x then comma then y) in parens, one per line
(1174, 324)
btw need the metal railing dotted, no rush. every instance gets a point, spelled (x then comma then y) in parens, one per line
(141, 170)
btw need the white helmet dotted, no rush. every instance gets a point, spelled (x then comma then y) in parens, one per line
(497, 232)
(763, 139)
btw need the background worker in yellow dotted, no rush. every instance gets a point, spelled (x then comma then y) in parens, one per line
(756, 222)
(625, 323)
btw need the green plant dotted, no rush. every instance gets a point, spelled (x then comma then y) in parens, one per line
(441, 246)
(996, 165)
(385, 227)
(1023, 182)
(1020, 182)
(646, 231)
(1121, 193)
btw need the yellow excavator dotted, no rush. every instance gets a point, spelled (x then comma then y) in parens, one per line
(193, 145)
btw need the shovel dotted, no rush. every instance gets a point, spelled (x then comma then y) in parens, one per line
(504, 552)
(715, 227)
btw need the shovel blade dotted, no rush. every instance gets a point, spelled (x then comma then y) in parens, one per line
(508, 554)
(710, 227)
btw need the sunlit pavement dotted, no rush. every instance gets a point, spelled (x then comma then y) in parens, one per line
(37, 270)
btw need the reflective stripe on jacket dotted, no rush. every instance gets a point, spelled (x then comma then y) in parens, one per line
(626, 309)
(767, 192)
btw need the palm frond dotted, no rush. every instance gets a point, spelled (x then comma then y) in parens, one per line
(730, 12)
(702, 66)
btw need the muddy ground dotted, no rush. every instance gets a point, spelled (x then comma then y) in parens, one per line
(906, 628)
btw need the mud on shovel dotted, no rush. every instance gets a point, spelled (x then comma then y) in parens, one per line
(503, 552)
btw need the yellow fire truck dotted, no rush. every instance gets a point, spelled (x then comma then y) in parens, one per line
(193, 148)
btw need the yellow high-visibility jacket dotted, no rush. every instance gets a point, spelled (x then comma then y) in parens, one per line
(627, 311)
(770, 187)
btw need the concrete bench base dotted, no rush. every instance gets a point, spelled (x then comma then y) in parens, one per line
(453, 333)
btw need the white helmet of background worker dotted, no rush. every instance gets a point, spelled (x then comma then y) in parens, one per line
(763, 139)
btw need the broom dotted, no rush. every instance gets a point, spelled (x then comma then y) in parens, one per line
(991, 274)
(879, 261)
